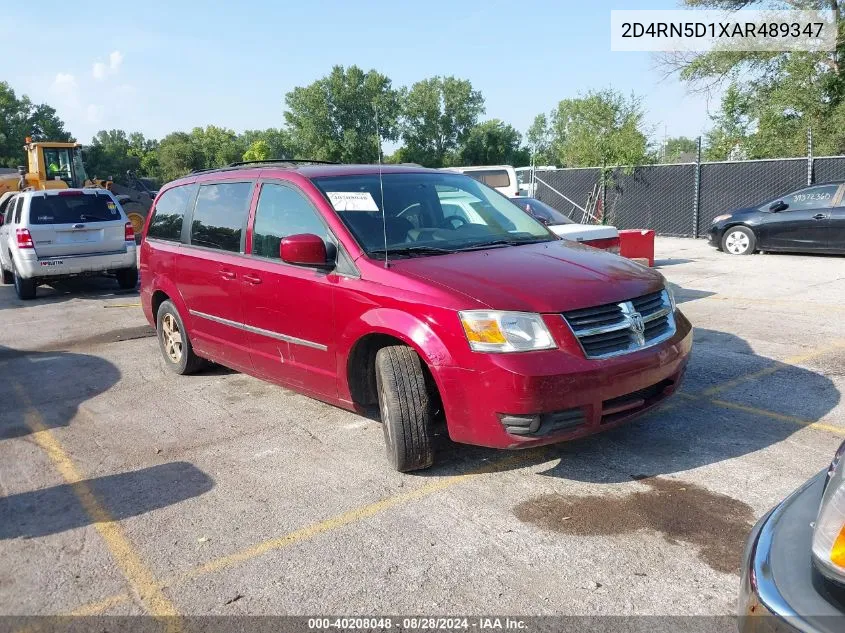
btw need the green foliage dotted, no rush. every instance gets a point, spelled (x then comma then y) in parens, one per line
(437, 117)
(258, 150)
(599, 128)
(19, 118)
(539, 139)
(111, 155)
(771, 97)
(178, 155)
(493, 143)
(217, 146)
(334, 118)
(278, 142)
(679, 149)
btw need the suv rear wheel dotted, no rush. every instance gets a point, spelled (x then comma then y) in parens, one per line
(174, 342)
(127, 278)
(25, 288)
(8, 277)
(406, 408)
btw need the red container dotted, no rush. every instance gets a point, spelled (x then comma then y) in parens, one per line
(637, 244)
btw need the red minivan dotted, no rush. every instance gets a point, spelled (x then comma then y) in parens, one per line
(354, 285)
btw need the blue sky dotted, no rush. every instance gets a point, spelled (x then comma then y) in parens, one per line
(157, 67)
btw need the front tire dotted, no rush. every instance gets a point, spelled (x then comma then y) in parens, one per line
(739, 240)
(174, 343)
(406, 406)
(127, 278)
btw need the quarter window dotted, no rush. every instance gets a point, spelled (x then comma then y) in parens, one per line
(18, 210)
(220, 215)
(170, 212)
(282, 211)
(811, 198)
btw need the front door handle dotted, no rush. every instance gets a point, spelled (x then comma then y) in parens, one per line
(820, 216)
(227, 274)
(252, 279)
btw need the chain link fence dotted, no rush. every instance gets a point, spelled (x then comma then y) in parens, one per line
(678, 199)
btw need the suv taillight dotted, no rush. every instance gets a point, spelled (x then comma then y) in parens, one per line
(24, 238)
(129, 232)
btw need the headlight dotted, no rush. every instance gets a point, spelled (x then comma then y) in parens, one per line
(719, 218)
(829, 530)
(489, 331)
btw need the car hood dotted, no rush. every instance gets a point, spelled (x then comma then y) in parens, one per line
(548, 277)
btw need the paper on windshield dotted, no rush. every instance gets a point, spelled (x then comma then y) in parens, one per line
(352, 201)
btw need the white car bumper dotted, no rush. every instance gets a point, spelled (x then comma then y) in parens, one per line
(29, 265)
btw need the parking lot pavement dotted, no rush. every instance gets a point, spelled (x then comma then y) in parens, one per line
(126, 489)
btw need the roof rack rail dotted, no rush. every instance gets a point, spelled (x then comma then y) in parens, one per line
(283, 160)
(267, 161)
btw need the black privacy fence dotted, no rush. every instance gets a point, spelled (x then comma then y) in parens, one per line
(679, 199)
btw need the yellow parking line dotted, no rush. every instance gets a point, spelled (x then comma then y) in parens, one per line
(352, 516)
(140, 578)
(776, 367)
(821, 426)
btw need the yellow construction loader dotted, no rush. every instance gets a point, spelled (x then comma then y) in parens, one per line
(59, 166)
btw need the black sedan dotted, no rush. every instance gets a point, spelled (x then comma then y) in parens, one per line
(793, 576)
(810, 220)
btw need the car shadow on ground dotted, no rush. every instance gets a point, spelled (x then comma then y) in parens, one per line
(58, 509)
(691, 429)
(99, 288)
(63, 379)
(671, 261)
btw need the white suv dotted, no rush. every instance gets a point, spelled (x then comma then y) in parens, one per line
(57, 233)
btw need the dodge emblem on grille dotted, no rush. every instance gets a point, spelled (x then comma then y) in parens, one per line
(637, 326)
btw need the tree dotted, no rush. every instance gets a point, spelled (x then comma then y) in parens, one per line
(334, 118)
(771, 98)
(108, 155)
(539, 139)
(493, 143)
(19, 118)
(437, 117)
(600, 128)
(177, 156)
(277, 142)
(679, 149)
(217, 146)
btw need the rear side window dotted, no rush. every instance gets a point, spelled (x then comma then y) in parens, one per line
(491, 177)
(170, 212)
(85, 208)
(220, 215)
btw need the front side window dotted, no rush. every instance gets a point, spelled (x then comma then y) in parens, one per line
(7, 208)
(220, 214)
(420, 212)
(170, 212)
(811, 198)
(282, 211)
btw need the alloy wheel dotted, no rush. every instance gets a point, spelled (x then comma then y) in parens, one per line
(172, 338)
(737, 242)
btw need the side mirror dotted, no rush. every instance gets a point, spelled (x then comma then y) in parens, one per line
(305, 249)
(778, 206)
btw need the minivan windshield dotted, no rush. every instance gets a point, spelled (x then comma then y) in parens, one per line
(428, 214)
(72, 209)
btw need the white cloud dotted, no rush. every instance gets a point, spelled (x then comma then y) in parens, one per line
(94, 113)
(64, 84)
(101, 70)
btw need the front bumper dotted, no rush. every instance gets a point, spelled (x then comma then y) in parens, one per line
(30, 266)
(780, 590)
(714, 236)
(544, 397)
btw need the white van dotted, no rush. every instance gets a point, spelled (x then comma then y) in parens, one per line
(502, 178)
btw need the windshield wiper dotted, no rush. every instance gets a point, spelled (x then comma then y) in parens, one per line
(411, 251)
(483, 245)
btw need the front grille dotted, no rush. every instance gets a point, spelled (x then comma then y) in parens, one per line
(620, 328)
(624, 406)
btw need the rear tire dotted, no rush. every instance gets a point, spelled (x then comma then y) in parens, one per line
(127, 278)
(8, 277)
(25, 288)
(174, 343)
(739, 240)
(406, 406)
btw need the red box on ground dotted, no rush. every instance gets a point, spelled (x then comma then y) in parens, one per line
(637, 244)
